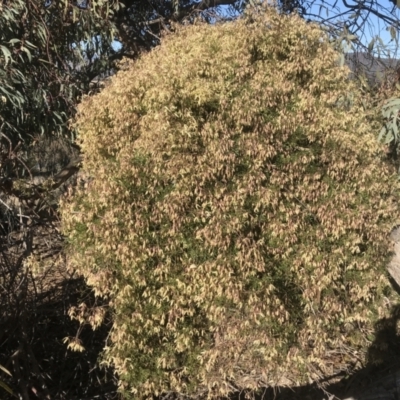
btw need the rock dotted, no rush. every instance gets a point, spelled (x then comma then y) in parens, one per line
(394, 265)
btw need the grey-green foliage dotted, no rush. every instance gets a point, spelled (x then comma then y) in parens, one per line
(50, 51)
(390, 112)
(46, 63)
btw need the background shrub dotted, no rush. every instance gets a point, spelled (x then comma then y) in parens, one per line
(238, 214)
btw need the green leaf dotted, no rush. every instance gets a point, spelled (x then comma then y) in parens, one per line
(58, 116)
(395, 127)
(4, 369)
(350, 38)
(28, 43)
(386, 113)
(45, 61)
(389, 138)
(6, 388)
(393, 33)
(28, 53)
(371, 45)
(4, 385)
(42, 34)
(6, 53)
(341, 60)
(381, 133)
(392, 102)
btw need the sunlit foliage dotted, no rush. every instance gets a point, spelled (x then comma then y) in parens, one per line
(237, 215)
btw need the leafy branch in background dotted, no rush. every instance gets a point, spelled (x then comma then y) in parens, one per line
(46, 56)
(353, 17)
(390, 131)
(356, 27)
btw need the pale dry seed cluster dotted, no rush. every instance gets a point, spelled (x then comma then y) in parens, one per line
(238, 215)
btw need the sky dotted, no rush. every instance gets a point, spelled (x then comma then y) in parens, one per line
(375, 26)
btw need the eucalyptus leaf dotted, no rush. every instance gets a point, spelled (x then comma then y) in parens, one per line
(27, 52)
(389, 138)
(6, 388)
(7, 54)
(393, 33)
(392, 103)
(395, 128)
(29, 44)
(4, 369)
(371, 45)
(382, 133)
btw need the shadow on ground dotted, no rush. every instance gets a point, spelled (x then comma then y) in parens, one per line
(378, 380)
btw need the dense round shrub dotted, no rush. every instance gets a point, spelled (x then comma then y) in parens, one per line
(238, 214)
